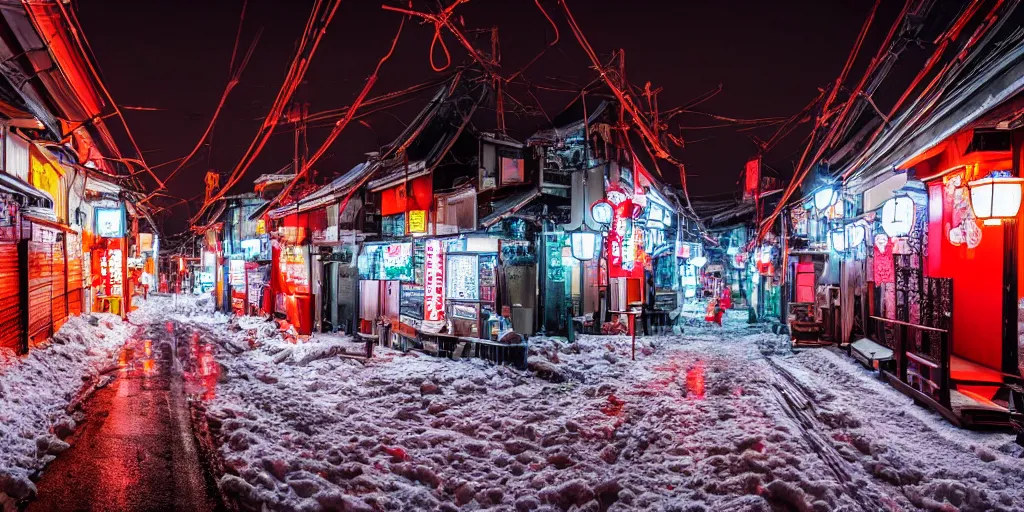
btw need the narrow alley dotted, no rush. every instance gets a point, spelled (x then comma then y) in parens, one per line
(135, 449)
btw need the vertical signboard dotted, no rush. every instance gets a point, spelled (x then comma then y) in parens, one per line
(433, 276)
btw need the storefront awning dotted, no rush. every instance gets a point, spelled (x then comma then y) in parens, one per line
(508, 206)
(16, 186)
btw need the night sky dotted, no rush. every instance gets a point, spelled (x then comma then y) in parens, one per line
(770, 57)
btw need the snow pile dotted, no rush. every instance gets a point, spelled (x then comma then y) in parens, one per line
(905, 446)
(682, 426)
(39, 392)
(722, 418)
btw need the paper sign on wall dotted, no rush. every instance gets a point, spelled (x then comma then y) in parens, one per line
(417, 221)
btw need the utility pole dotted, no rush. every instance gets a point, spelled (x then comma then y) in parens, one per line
(496, 61)
(297, 115)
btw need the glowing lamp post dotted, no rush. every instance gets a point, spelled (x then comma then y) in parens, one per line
(996, 199)
(898, 216)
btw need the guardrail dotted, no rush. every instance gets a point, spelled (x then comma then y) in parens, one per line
(930, 374)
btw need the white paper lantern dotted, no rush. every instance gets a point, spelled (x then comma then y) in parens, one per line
(838, 239)
(825, 197)
(583, 244)
(898, 216)
(995, 199)
(699, 261)
(855, 234)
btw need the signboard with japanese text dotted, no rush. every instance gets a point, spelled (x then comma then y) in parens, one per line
(433, 276)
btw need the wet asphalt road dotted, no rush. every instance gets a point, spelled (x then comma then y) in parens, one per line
(135, 450)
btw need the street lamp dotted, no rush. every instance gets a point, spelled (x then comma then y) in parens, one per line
(584, 243)
(995, 199)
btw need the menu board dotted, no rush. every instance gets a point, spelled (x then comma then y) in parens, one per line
(463, 277)
(487, 271)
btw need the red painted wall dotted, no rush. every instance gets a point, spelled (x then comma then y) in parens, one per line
(977, 273)
(977, 284)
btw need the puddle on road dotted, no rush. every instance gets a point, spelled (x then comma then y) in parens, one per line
(151, 350)
(199, 367)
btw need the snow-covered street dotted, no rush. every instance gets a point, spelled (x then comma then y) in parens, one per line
(713, 420)
(717, 419)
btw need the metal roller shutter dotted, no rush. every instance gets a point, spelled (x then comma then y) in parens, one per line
(58, 300)
(40, 279)
(74, 259)
(11, 331)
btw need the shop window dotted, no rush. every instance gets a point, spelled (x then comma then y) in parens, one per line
(488, 170)
(456, 213)
(511, 164)
(393, 225)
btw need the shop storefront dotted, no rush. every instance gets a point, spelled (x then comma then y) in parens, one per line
(385, 270)
(109, 260)
(290, 279)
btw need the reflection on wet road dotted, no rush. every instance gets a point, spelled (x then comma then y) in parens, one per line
(135, 450)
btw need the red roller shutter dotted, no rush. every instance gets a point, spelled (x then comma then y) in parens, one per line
(10, 297)
(40, 279)
(74, 259)
(58, 295)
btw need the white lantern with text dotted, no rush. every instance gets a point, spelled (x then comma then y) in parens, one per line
(583, 244)
(995, 199)
(898, 216)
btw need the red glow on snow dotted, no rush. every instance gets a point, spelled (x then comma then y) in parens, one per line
(695, 380)
(614, 406)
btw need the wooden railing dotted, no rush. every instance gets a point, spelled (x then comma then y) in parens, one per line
(930, 373)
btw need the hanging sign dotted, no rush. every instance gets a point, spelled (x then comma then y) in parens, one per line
(753, 177)
(109, 222)
(417, 221)
(433, 276)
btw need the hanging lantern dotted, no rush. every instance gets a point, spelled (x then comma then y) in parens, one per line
(898, 216)
(855, 234)
(825, 197)
(699, 261)
(583, 244)
(994, 199)
(764, 260)
(602, 211)
(838, 239)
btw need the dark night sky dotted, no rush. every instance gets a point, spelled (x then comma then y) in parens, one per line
(770, 56)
